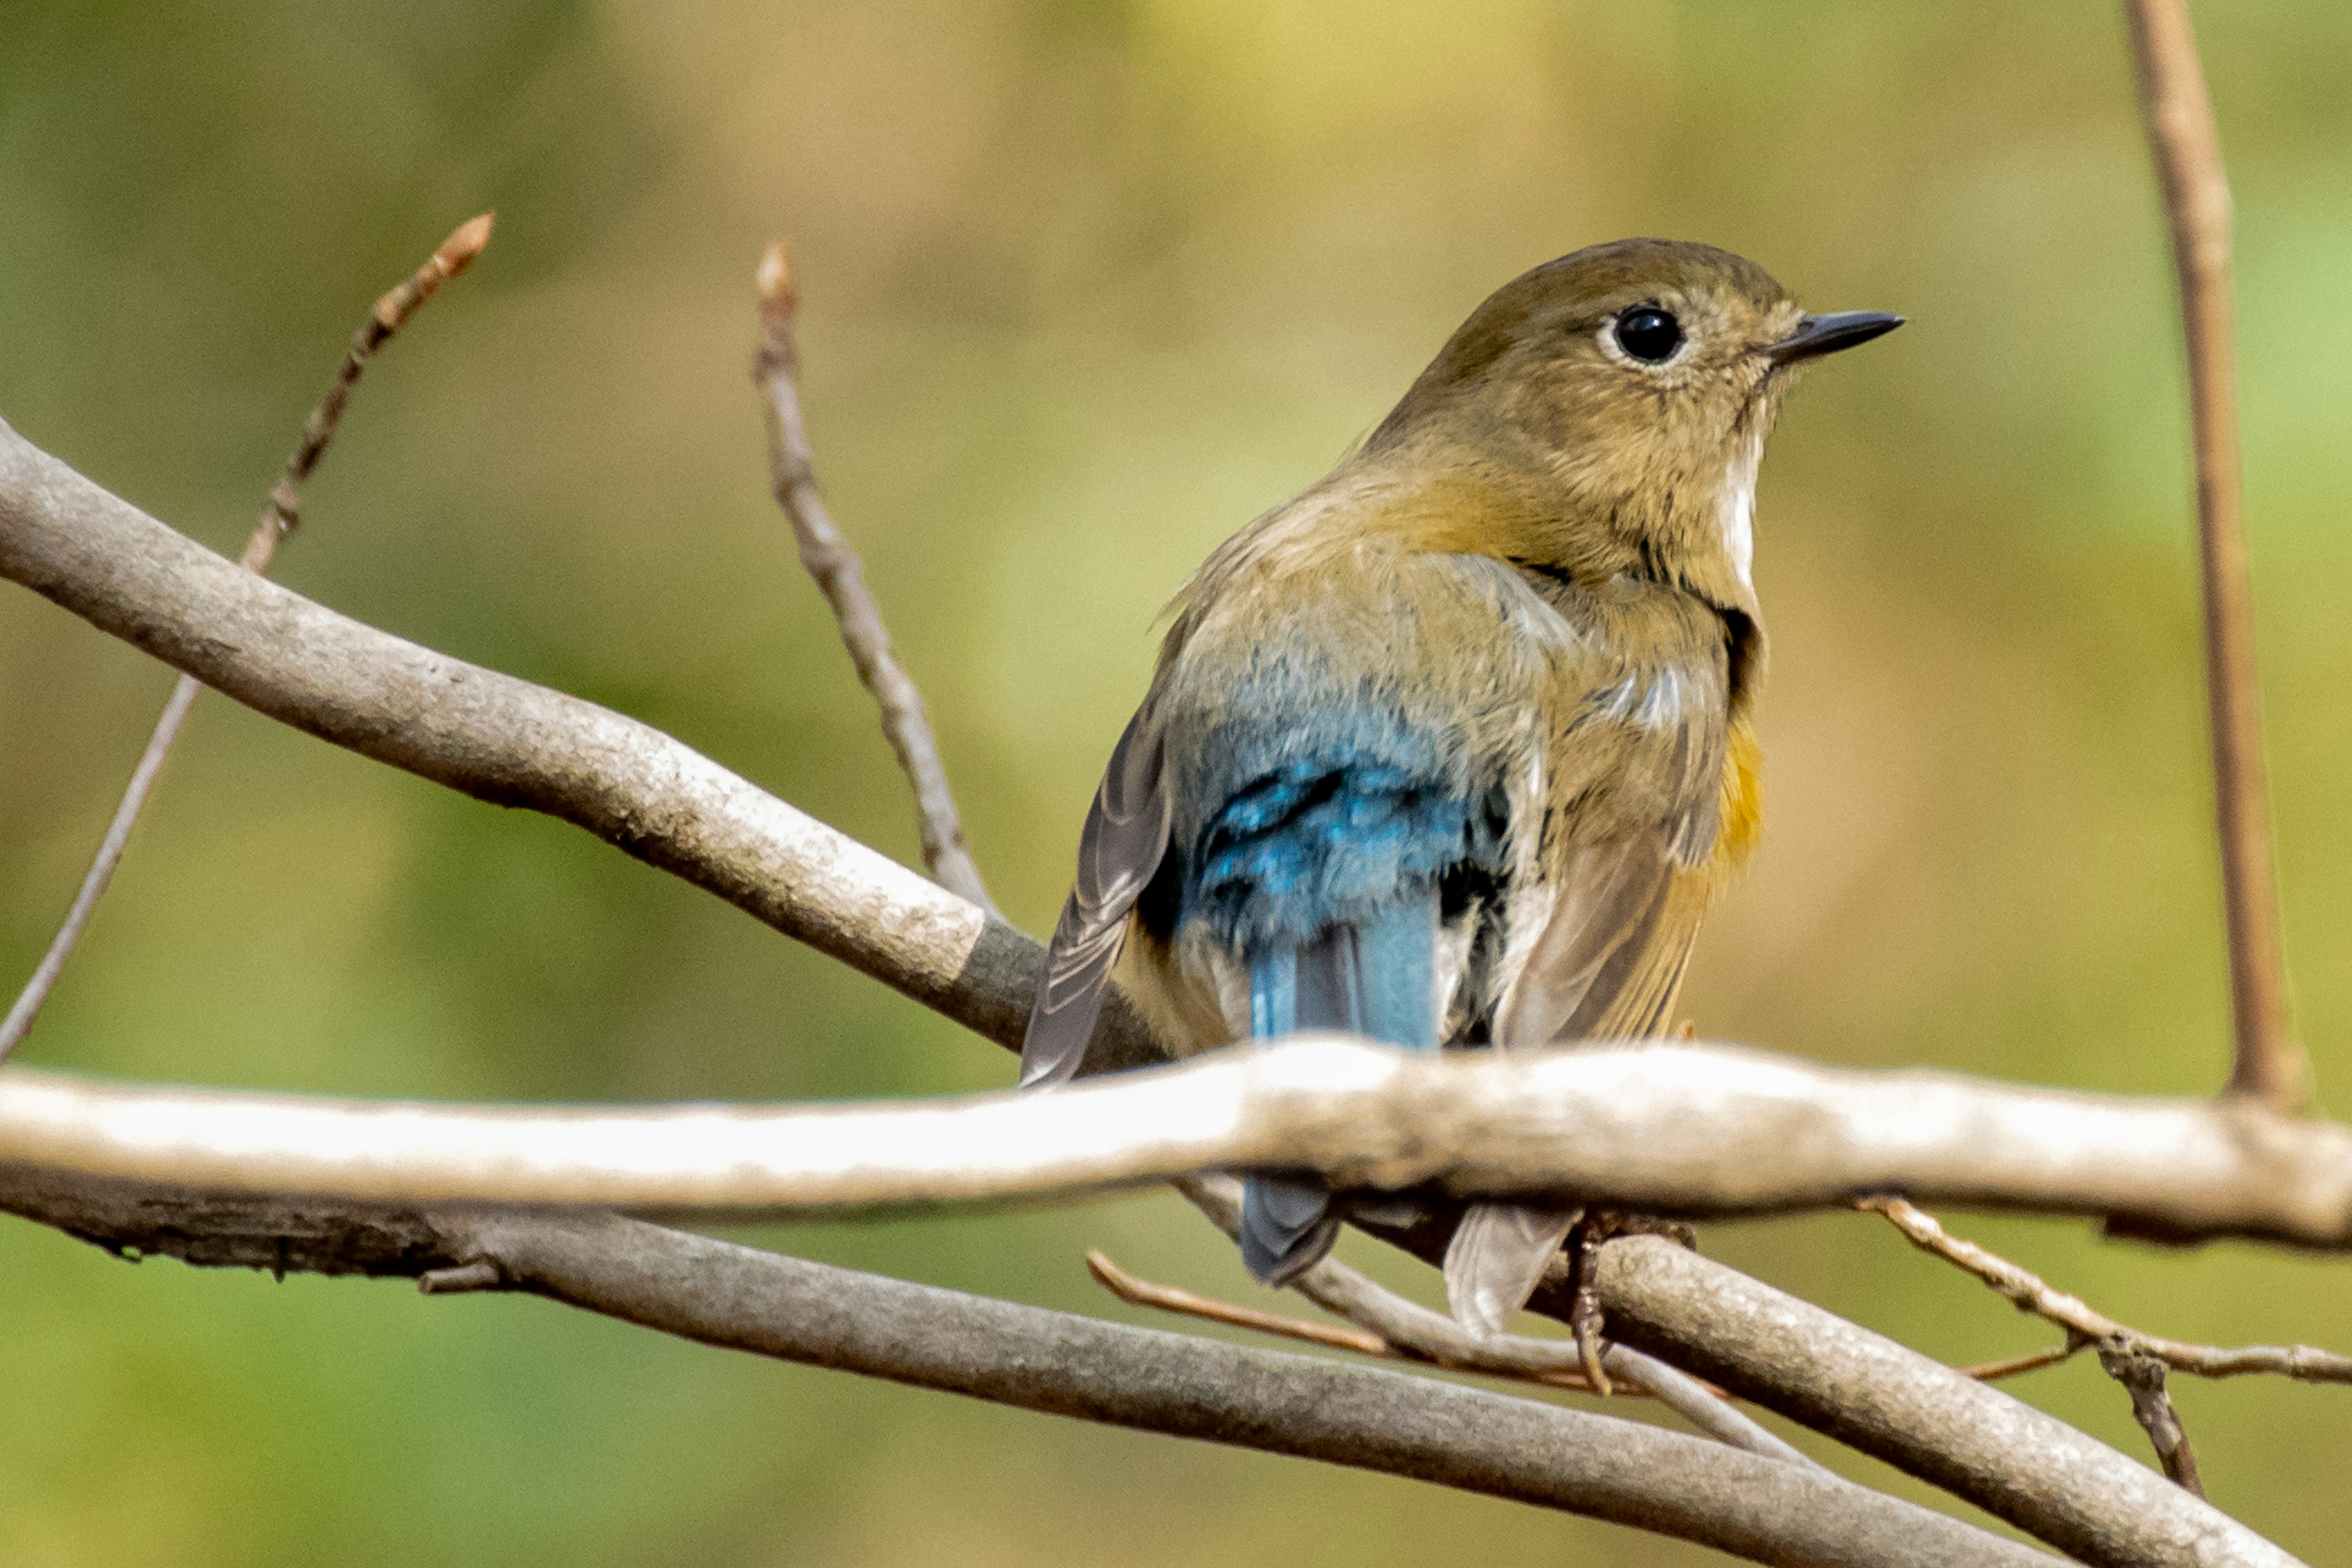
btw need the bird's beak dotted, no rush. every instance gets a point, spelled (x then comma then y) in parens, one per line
(1819, 335)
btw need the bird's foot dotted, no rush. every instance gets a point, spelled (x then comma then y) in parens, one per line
(1586, 1318)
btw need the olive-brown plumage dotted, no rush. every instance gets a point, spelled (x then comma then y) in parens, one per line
(1454, 749)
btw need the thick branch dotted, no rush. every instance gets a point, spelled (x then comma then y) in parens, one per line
(2187, 148)
(1034, 1358)
(513, 744)
(505, 740)
(2075, 1492)
(1681, 1129)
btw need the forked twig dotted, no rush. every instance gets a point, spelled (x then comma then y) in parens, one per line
(280, 516)
(2142, 1377)
(2271, 1063)
(2086, 1326)
(841, 576)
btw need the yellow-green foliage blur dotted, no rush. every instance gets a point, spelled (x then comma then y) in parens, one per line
(1086, 287)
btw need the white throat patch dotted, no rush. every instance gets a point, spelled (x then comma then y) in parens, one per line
(1735, 509)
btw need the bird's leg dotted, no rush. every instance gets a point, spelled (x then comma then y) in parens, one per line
(1585, 1316)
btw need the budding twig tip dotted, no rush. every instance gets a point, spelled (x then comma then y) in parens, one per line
(467, 241)
(776, 289)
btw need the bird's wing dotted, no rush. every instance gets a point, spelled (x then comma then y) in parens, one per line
(1125, 836)
(1610, 961)
(1608, 965)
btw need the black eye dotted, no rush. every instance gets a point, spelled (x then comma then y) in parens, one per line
(1649, 334)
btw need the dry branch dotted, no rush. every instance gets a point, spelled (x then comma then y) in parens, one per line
(2086, 1325)
(827, 554)
(505, 740)
(1029, 1357)
(2271, 1063)
(278, 519)
(1692, 1130)
(1865, 1390)
(1436, 1337)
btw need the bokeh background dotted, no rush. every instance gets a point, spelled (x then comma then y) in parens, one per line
(1087, 285)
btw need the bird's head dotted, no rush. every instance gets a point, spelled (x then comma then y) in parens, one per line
(1620, 396)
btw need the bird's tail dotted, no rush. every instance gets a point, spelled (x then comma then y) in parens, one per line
(1498, 1254)
(1374, 977)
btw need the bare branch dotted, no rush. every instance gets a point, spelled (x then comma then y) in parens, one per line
(1029, 1357)
(1436, 1337)
(278, 518)
(2142, 1378)
(2271, 1064)
(284, 512)
(2086, 1325)
(2032, 1470)
(511, 742)
(94, 881)
(1141, 1292)
(1669, 1130)
(2015, 1365)
(829, 558)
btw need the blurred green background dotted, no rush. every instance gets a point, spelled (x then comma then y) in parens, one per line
(1087, 286)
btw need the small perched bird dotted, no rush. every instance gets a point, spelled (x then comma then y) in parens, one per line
(1455, 748)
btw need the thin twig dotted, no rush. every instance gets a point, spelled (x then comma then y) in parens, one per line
(2085, 1325)
(278, 518)
(491, 735)
(2012, 1366)
(1414, 1330)
(841, 576)
(2271, 1063)
(2142, 1377)
(1137, 1291)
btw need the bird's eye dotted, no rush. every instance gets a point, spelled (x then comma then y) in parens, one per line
(1649, 334)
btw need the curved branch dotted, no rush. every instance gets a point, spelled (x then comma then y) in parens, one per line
(2077, 1493)
(513, 744)
(1686, 1130)
(506, 741)
(1034, 1358)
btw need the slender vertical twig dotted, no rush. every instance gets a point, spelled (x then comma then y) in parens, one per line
(2271, 1065)
(280, 516)
(840, 575)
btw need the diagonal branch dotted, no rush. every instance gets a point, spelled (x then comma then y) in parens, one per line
(2085, 1325)
(2271, 1064)
(506, 741)
(1029, 1357)
(278, 519)
(1434, 1336)
(829, 558)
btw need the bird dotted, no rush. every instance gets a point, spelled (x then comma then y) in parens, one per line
(1454, 749)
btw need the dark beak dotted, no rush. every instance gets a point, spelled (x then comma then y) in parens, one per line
(1819, 335)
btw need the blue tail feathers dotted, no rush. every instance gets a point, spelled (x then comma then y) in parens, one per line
(1373, 977)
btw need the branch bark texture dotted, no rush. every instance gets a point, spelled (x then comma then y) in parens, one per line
(505, 740)
(1692, 1130)
(1034, 1358)
(510, 742)
(1813, 1366)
